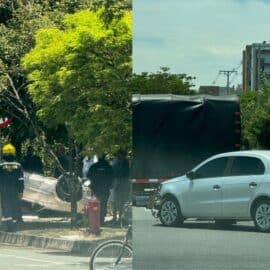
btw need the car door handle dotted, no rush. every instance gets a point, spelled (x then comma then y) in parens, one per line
(216, 187)
(252, 184)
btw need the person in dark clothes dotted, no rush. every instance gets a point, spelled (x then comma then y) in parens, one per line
(120, 167)
(32, 163)
(101, 177)
(63, 159)
(11, 187)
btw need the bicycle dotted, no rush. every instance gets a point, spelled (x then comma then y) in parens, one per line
(113, 254)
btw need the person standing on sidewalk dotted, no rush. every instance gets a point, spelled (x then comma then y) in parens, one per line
(11, 187)
(87, 163)
(120, 167)
(101, 177)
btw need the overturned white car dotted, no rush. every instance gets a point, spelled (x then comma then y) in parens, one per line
(49, 193)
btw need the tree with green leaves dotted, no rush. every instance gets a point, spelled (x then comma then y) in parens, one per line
(255, 118)
(161, 82)
(17, 38)
(19, 23)
(77, 75)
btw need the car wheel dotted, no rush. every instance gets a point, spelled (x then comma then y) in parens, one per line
(261, 216)
(169, 212)
(62, 190)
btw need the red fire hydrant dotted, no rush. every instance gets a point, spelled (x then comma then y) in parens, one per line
(92, 211)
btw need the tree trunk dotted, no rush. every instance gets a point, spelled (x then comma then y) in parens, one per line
(73, 202)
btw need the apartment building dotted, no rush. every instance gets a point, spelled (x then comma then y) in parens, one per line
(256, 65)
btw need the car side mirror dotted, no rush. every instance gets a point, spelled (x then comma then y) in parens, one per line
(191, 175)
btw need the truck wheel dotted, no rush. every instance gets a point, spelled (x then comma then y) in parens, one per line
(170, 213)
(261, 215)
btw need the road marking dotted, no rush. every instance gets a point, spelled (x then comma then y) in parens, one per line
(34, 260)
(31, 265)
(38, 260)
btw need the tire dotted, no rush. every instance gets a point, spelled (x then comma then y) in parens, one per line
(62, 190)
(106, 254)
(170, 213)
(261, 216)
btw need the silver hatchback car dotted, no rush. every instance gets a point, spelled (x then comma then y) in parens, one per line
(227, 187)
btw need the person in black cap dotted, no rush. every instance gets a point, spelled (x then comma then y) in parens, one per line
(11, 187)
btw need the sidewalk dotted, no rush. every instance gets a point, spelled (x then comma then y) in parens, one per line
(55, 233)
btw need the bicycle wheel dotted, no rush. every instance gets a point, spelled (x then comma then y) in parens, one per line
(113, 254)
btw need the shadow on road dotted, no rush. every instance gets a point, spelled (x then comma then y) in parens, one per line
(212, 226)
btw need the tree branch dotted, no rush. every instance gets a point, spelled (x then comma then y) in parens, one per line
(39, 133)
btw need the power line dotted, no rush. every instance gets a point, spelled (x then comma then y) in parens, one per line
(237, 73)
(234, 77)
(228, 74)
(215, 80)
(240, 64)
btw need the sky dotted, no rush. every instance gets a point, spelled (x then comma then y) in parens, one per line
(197, 37)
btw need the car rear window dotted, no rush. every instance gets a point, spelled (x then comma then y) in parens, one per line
(247, 166)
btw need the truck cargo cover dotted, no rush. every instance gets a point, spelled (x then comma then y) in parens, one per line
(172, 134)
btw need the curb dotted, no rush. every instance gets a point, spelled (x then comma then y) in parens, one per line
(82, 247)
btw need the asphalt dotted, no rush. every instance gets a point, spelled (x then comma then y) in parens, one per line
(197, 245)
(26, 258)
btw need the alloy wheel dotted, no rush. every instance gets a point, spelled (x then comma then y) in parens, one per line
(262, 216)
(168, 212)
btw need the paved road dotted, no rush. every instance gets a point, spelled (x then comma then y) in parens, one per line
(21, 258)
(197, 246)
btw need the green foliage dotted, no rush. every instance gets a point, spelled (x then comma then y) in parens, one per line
(97, 44)
(161, 82)
(83, 221)
(255, 111)
(76, 72)
(17, 38)
(19, 22)
(111, 8)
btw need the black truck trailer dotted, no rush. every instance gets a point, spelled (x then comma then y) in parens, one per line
(172, 134)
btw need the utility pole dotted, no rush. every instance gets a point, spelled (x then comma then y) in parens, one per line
(228, 74)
